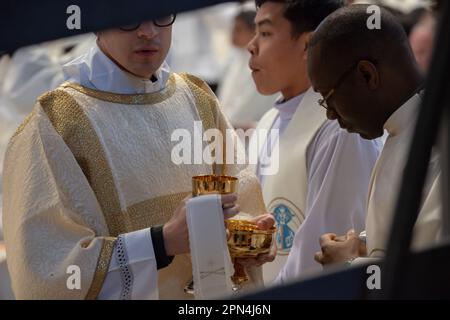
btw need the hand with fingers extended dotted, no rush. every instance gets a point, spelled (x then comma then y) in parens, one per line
(176, 233)
(341, 249)
(263, 222)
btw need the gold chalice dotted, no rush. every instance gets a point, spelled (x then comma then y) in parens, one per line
(211, 184)
(245, 240)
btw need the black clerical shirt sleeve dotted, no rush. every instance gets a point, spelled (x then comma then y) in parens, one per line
(162, 259)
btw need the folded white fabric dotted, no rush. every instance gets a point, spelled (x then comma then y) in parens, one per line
(211, 262)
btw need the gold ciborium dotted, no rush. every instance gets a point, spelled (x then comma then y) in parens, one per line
(245, 240)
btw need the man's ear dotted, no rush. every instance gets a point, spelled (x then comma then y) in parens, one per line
(368, 73)
(306, 39)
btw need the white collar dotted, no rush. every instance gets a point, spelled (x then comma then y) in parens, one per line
(96, 71)
(287, 108)
(403, 116)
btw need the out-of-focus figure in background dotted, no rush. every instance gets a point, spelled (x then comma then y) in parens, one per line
(25, 75)
(200, 43)
(237, 93)
(36, 69)
(421, 39)
(418, 18)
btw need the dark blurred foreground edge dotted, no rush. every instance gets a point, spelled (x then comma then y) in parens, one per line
(25, 22)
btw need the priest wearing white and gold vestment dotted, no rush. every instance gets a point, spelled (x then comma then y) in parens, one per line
(88, 177)
(386, 83)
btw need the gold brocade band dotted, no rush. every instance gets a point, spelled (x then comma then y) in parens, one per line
(130, 99)
(73, 125)
(154, 211)
(102, 268)
(208, 110)
(205, 104)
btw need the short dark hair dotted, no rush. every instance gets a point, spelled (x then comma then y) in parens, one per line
(305, 15)
(346, 31)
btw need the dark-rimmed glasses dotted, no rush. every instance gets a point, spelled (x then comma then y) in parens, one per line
(323, 102)
(160, 22)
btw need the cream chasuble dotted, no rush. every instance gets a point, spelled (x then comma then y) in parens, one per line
(89, 171)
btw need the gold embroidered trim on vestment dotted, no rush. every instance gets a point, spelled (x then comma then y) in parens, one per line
(131, 99)
(102, 268)
(208, 110)
(74, 126)
(154, 211)
(206, 105)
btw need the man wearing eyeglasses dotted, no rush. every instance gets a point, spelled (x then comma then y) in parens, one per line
(323, 171)
(93, 203)
(376, 86)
